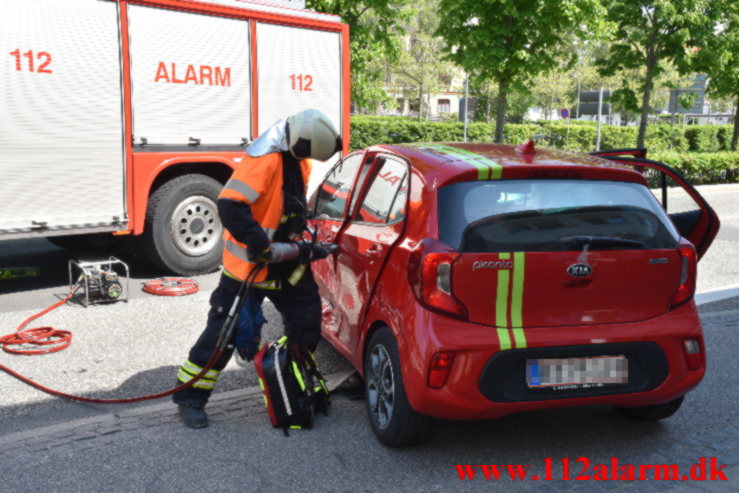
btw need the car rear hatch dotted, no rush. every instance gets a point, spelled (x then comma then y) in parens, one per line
(550, 252)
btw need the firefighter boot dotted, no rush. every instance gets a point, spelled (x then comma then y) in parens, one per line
(193, 415)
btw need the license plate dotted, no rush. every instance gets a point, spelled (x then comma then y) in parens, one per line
(577, 372)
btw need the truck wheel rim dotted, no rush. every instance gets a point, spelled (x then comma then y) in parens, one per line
(195, 226)
(380, 387)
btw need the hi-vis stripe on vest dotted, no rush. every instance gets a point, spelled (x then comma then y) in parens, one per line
(487, 169)
(509, 303)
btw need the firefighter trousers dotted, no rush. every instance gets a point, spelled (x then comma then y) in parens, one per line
(295, 298)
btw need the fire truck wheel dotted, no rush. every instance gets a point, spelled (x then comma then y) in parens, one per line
(182, 232)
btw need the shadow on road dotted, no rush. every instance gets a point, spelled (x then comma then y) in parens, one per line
(37, 263)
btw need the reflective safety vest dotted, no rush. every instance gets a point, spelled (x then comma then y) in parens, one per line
(257, 181)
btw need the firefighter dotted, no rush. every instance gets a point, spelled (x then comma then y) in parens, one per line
(263, 210)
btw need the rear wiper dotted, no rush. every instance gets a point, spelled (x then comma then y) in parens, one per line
(587, 241)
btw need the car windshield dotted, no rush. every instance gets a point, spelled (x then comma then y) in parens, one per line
(552, 215)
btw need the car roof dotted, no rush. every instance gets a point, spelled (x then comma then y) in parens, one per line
(455, 161)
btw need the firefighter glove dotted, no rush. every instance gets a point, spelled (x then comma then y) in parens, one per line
(262, 256)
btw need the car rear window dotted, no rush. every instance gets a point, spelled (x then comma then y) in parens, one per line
(546, 215)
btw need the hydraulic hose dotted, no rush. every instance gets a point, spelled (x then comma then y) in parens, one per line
(224, 337)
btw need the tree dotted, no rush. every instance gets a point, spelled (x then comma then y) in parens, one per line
(486, 93)
(648, 35)
(374, 31)
(509, 41)
(421, 67)
(717, 55)
(554, 90)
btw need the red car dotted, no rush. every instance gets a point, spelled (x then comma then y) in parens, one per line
(477, 280)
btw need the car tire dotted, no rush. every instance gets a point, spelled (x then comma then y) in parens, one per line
(182, 233)
(651, 413)
(393, 420)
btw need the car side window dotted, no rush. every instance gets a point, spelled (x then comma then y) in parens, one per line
(385, 200)
(336, 189)
(366, 167)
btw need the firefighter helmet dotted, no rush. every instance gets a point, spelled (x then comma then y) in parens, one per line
(312, 135)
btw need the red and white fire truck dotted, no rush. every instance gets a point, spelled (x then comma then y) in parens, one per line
(127, 116)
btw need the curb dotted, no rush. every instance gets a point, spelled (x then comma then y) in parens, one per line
(717, 294)
(333, 381)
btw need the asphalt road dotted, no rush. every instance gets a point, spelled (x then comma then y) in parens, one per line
(125, 349)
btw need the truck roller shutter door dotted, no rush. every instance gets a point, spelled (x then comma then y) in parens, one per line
(61, 123)
(191, 77)
(298, 69)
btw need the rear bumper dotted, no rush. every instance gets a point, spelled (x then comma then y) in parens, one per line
(486, 383)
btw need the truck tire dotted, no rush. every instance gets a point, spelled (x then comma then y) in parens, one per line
(182, 233)
(394, 421)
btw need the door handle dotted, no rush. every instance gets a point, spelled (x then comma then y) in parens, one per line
(375, 250)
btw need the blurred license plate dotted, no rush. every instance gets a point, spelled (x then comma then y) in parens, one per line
(578, 372)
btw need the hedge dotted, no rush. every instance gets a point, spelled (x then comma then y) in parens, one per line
(370, 130)
(698, 167)
(702, 167)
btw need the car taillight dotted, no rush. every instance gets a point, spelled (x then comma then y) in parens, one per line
(430, 276)
(686, 288)
(693, 353)
(441, 365)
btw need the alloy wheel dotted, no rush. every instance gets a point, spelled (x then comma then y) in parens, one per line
(380, 386)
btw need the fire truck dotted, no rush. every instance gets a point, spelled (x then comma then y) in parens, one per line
(126, 117)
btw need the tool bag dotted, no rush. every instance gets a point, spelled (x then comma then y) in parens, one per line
(294, 390)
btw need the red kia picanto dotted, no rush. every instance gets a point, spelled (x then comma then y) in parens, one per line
(478, 280)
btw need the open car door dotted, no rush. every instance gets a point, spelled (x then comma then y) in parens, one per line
(694, 219)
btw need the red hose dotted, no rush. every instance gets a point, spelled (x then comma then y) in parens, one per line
(60, 339)
(39, 336)
(171, 286)
(214, 357)
(36, 338)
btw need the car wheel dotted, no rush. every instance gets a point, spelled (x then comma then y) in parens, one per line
(393, 420)
(652, 413)
(183, 231)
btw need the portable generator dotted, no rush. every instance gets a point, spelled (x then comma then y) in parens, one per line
(102, 280)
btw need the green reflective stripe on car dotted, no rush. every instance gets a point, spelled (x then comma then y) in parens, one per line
(519, 263)
(487, 169)
(510, 300)
(495, 170)
(501, 305)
